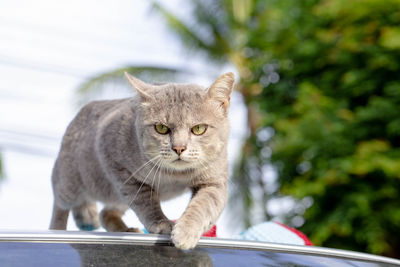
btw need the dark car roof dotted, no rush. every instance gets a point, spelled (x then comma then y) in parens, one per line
(62, 248)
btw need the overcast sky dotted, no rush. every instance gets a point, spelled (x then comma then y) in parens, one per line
(48, 48)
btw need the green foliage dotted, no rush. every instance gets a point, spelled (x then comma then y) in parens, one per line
(324, 76)
(336, 113)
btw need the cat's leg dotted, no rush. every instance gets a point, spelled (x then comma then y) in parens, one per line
(66, 191)
(146, 204)
(59, 218)
(111, 220)
(201, 214)
(86, 216)
(144, 201)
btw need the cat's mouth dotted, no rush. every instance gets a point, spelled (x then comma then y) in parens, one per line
(180, 160)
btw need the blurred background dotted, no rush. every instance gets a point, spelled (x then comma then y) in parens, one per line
(315, 139)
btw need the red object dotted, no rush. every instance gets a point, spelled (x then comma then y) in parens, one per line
(212, 232)
(307, 241)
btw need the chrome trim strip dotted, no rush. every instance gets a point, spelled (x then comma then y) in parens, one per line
(163, 240)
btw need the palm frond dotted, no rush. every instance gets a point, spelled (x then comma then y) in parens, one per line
(204, 35)
(213, 15)
(97, 84)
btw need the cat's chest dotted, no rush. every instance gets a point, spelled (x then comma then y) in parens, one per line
(168, 188)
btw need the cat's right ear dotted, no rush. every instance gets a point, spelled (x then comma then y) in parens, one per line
(141, 87)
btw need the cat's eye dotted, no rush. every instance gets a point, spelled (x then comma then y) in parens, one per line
(199, 129)
(161, 128)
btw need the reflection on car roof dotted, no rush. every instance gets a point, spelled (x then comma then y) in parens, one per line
(67, 248)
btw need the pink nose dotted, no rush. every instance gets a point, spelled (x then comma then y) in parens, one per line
(179, 149)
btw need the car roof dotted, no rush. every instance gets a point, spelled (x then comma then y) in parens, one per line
(70, 248)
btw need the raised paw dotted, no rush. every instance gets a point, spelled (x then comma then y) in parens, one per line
(161, 227)
(185, 237)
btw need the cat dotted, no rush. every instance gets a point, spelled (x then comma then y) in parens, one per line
(135, 152)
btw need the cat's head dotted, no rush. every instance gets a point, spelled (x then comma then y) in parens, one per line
(183, 126)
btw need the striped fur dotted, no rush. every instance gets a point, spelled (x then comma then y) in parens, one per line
(112, 153)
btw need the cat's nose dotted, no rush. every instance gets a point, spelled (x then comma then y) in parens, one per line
(179, 149)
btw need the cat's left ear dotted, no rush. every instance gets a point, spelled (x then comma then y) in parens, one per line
(221, 89)
(141, 87)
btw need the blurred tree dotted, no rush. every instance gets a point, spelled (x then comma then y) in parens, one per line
(322, 76)
(335, 111)
(320, 80)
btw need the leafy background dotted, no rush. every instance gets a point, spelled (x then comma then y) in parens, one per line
(320, 79)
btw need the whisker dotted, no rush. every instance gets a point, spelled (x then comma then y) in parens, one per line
(144, 180)
(141, 167)
(204, 163)
(159, 178)
(154, 178)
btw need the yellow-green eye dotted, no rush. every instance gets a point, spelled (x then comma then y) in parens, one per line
(161, 128)
(199, 129)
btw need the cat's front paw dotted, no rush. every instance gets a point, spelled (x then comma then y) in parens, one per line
(185, 237)
(161, 227)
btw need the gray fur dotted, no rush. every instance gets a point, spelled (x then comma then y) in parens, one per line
(112, 153)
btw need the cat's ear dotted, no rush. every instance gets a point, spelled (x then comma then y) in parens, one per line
(221, 89)
(141, 87)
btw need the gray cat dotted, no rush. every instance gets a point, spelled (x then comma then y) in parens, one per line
(135, 152)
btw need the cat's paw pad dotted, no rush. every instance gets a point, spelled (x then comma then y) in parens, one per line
(185, 237)
(161, 227)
